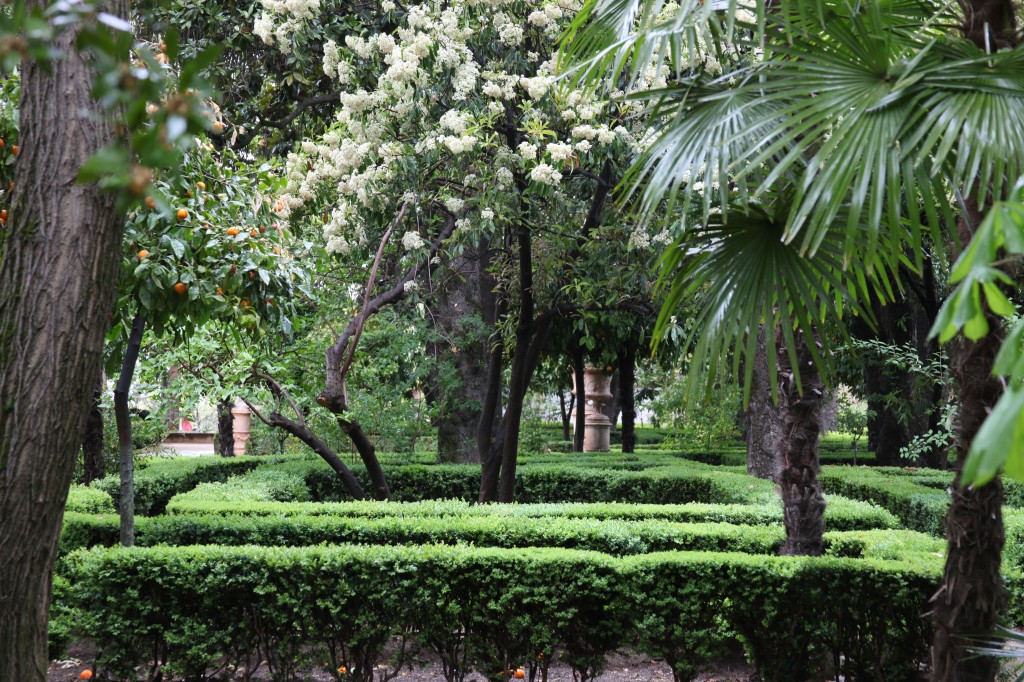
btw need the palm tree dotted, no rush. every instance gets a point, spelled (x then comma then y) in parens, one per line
(866, 131)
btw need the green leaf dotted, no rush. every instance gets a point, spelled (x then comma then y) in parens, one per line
(1000, 440)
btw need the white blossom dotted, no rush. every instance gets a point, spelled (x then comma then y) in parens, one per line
(412, 241)
(545, 174)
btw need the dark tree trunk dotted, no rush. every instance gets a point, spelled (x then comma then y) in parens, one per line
(58, 274)
(225, 428)
(580, 388)
(303, 433)
(492, 469)
(627, 397)
(491, 309)
(458, 305)
(126, 452)
(763, 420)
(565, 412)
(92, 442)
(967, 604)
(803, 504)
(612, 407)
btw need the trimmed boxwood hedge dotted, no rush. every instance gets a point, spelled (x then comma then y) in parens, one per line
(161, 478)
(250, 495)
(919, 507)
(199, 609)
(86, 500)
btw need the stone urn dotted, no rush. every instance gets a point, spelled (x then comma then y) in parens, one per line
(241, 425)
(597, 427)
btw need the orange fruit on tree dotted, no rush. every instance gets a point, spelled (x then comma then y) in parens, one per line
(254, 234)
(244, 303)
(342, 670)
(180, 288)
(201, 185)
(519, 674)
(3, 214)
(142, 254)
(85, 675)
(15, 149)
(182, 213)
(218, 127)
(1, 143)
(232, 231)
(150, 202)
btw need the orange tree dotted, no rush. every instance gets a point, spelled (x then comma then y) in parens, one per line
(203, 249)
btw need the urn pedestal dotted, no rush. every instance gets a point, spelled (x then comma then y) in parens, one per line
(597, 427)
(241, 424)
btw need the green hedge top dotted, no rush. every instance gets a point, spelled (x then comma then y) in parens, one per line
(161, 478)
(255, 496)
(86, 500)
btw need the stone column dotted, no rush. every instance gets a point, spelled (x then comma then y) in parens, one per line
(597, 426)
(241, 425)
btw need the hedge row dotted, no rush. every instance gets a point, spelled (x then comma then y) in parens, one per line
(680, 482)
(253, 494)
(611, 536)
(161, 478)
(86, 500)
(919, 507)
(197, 610)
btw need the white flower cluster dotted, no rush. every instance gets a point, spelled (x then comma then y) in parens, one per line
(281, 18)
(412, 241)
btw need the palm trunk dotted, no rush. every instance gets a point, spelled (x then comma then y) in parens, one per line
(803, 505)
(58, 275)
(970, 597)
(126, 454)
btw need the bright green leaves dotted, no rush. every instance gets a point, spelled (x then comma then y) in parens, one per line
(978, 279)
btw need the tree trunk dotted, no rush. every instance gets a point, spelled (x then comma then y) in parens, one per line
(967, 604)
(565, 412)
(580, 387)
(58, 274)
(627, 397)
(92, 442)
(126, 454)
(463, 345)
(763, 419)
(803, 505)
(492, 308)
(611, 408)
(225, 428)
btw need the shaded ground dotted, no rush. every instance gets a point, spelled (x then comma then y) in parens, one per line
(625, 667)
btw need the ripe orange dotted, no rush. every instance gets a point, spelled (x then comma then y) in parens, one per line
(342, 670)
(220, 292)
(1, 143)
(232, 231)
(218, 127)
(15, 149)
(180, 288)
(244, 303)
(201, 185)
(85, 675)
(150, 202)
(254, 233)
(182, 214)
(3, 214)
(519, 674)
(206, 226)
(142, 254)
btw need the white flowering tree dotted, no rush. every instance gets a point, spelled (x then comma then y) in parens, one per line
(454, 137)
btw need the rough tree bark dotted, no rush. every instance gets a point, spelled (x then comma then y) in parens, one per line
(126, 453)
(803, 504)
(970, 596)
(763, 420)
(457, 305)
(92, 441)
(58, 273)
(225, 428)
